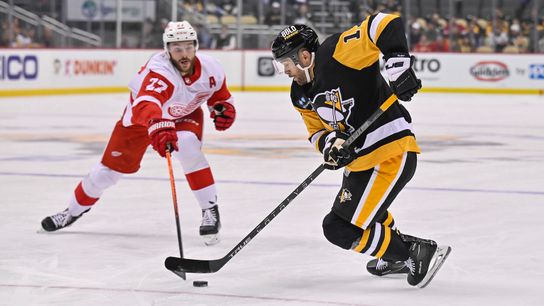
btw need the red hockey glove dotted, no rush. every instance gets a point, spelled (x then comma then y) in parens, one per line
(223, 115)
(163, 132)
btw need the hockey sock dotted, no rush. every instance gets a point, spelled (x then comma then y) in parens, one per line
(381, 241)
(202, 184)
(89, 190)
(387, 220)
(397, 249)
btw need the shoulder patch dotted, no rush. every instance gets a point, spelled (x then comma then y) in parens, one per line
(303, 102)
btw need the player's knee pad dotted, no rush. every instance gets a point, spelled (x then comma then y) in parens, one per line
(340, 232)
(99, 179)
(190, 154)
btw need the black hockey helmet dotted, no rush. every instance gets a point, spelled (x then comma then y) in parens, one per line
(291, 39)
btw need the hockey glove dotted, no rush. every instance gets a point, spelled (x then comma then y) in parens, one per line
(163, 132)
(402, 78)
(223, 114)
(334, 154)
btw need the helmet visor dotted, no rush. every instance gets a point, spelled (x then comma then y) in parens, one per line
(287, 62)
(284, 64)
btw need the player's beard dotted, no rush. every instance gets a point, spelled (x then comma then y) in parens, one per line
(185, 65)
(300, 78)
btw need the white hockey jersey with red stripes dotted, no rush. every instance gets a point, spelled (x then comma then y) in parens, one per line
(161, 83)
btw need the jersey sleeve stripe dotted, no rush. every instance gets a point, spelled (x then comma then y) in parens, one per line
(314, 139)
(222, 94)
(374, 25)
(146, 98)
(380, 25)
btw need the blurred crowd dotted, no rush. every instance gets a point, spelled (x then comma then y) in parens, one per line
(22, 36)
(484, 30)
(513, 26)
(495, 32)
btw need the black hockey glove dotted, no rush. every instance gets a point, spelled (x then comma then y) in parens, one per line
(334, 154)
(402, 78)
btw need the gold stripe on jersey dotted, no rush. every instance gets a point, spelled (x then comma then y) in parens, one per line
(385, 242)
(380, 184)
(385, 152)
(354, 48)
(363, 241)
(389, 220)
(314, 124)
(311, 120)
(383, 24)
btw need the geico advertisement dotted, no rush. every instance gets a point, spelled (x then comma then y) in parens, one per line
(17, 67)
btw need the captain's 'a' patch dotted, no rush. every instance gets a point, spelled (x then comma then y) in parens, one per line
(332, 109)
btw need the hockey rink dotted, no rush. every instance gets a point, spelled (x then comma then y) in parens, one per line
(478, 187)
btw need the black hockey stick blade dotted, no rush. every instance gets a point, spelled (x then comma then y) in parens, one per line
(186, 265)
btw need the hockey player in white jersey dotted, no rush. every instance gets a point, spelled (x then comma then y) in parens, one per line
(165, 111)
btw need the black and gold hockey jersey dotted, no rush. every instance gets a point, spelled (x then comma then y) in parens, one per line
(348, 87)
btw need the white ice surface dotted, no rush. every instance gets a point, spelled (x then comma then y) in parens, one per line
(478, 187)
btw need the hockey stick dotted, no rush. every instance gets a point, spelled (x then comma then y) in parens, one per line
(210, 266)
(176, 213)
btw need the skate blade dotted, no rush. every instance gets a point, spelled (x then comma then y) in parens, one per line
(210, 240)
(439, 257)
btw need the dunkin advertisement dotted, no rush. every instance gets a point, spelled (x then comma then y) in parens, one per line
(50, 69)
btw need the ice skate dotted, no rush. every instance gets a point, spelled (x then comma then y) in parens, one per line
(209, 229)
(381, 267)
(424, 261)
(60, 220)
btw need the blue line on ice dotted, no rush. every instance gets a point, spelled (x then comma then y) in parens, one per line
(440, 189)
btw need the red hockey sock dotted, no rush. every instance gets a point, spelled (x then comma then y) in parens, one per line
(82, 198)
(200, 179)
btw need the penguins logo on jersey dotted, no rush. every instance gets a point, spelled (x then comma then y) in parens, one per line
(332, 109)
(345, 195)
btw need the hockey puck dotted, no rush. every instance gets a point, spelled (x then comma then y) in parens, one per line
(200, 284)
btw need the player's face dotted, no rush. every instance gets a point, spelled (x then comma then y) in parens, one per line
(292, 69)
(183, 55)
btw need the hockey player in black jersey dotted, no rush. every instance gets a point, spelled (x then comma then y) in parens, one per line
(336, 87)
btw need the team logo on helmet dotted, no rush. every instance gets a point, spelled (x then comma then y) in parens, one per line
(288, 32)
(293, 37)
(179, 31)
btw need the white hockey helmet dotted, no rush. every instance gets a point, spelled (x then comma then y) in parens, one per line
(179, 31)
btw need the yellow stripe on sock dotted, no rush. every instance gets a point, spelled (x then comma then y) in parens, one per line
(363, 242)
(385, 243)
